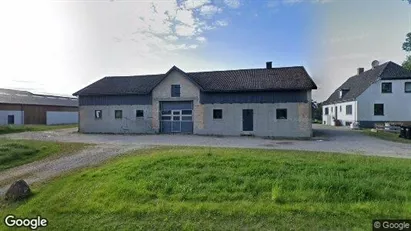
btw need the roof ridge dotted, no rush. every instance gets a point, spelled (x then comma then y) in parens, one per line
(245, 69)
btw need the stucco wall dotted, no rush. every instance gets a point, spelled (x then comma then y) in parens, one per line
(397, 105)
(109, 124)
(297, 124)
(18, 117)
(188, 92)
(61, 117)
(341, 115)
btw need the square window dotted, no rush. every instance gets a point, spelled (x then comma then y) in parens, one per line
(326, 111)
(118, 114)
(348, 110)
(217, 114)
(139, 113)
(378, 109)
(386, 87)
(281, 114)
(175, 90)
(407, 87)
(176, 118)
(98, 114)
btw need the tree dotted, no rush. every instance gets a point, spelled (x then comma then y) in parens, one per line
(407, 63)
(406, 46)
(409, 1)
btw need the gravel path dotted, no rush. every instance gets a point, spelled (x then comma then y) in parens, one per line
(329, 139)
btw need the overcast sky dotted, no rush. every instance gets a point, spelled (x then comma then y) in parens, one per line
(61, 46)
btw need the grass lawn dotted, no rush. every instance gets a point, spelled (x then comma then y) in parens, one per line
(18, 152)
(386, 136)
(28, 128)
(225, 189)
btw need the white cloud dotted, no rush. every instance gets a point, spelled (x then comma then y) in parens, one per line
(232, 3)
(185, 30)
(209, 10)
(192, 4)
(221, 23)
(201, 39)
(171, 38)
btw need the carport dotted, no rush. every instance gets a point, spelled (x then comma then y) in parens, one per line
(176, 117)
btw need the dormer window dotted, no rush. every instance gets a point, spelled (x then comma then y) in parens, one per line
(175, 90)
(343, 92)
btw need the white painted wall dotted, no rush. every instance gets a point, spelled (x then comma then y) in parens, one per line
(61, 117)
(340, 114)
(397, 105)
(18, 117)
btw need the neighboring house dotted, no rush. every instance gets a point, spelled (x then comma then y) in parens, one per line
(23, 107)
(272, 102)
(381, 94)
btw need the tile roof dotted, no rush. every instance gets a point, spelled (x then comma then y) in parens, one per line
(357, 84)
(285, 78)
(9, 96)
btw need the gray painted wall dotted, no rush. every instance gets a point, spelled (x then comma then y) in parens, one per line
(297, 124)
(115, 100)
(18, 117)
(254, 97)
(108, 124)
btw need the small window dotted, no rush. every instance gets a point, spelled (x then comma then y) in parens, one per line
(166, 118)
(166, 112)
(217, 114)
(118, 114)
(176, 112)
(407, 87)
(139, 113)
(326, 111)
(187, 118)
(186, 112)
(176, 118)
(378, 109)
(386, 87)
(98, 114)
(175, 90)
(281, 114)
(348, 110)
(340, 108)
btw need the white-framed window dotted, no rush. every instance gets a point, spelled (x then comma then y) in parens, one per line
(98, 114)
(217, 113)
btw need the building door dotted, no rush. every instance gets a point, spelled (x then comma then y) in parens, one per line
(176, 117)
(10, 119)
(336, 112)
(248, 124)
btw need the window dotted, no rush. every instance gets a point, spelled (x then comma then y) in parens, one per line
(166, 112)
(386, 87)
(340, 108)
(118, 114)
(407, 87)
(98, 114)
(175, 90)
(281, 114)
(186, 112)
(165, 117)
(348, 110)
(379, 109)
(331, 109)
(139, 113)
(326, 111)
(217, 114)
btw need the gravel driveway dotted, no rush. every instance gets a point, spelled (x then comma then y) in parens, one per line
(328, 139)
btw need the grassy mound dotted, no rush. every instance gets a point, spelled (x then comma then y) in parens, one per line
(220, 189)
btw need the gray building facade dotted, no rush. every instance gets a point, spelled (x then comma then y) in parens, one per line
(268, 102)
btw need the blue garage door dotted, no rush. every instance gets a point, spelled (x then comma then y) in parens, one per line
(176, 117)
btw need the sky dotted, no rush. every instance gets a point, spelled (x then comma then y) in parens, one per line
(59, 47)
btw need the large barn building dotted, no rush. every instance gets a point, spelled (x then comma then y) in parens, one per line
(23, 107)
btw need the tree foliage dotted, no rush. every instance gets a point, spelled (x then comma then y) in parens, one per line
(406, 46)
(407, 63)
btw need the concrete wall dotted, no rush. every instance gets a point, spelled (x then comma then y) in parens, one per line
(397, 106)
(109, 124)
(188, 92)
(297, 124)
(61, 117)
(18, 117)
(341, 114)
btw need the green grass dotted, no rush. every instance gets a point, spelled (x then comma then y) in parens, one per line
(225, 189)
(387, 136)
(18, 152)
(29, 128)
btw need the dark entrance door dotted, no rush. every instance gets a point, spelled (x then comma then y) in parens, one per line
(248, 120)
(336, 112)
(10, 119)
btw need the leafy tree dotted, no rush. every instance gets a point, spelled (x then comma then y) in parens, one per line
(406, 46)
(407, 63)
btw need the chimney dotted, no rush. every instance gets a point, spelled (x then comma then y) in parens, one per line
(269, 65)
(360, 70)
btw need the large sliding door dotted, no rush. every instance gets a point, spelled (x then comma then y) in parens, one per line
(176, 117)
